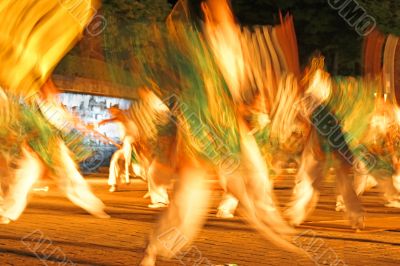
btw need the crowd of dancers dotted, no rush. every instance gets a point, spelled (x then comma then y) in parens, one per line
(217, 99)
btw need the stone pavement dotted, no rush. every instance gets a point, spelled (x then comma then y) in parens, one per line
(53, 231)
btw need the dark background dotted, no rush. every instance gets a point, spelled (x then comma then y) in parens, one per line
(319, 28)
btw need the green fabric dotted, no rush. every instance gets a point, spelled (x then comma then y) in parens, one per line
(28, 125)
(184, 66)
(352, 105)
(39, 133)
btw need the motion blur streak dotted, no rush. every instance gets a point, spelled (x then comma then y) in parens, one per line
(38, 33)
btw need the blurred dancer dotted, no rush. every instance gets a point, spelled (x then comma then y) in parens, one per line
(139, 166)
(157, 127)
(326, 138)
(128, 136)
(258, 121)
(365, 179)
(212, 139)
(44, 31)
(44, 151)
(114, 176)
(382, 141)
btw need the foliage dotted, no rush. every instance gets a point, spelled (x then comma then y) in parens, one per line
(318, 27)
(321, 28)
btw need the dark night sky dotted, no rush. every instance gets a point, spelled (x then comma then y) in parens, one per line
(172, 2)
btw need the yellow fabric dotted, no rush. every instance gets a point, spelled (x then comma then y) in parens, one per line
(34, 36)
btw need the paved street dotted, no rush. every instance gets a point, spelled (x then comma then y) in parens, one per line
(53, 231)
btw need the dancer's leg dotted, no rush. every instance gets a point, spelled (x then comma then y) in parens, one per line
(345, 184)
(363, 181)
(390, 192)
(114, 172)
(248, 182)
(184, 216)
(127, 149)
(74, 185)
(4, 170)
(30, 169)
(159, 178)
(227, 207)
(308, 181)
(258, 205)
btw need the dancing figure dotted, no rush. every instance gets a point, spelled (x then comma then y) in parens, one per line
(128, 135)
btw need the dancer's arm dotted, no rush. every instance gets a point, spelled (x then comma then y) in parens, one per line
(110, 120)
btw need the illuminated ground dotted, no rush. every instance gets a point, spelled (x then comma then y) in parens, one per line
(52, 231)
